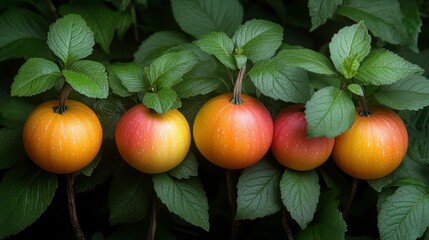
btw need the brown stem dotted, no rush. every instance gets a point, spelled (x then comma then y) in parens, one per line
(232, 202)
(352, 194)
(136, 28)
(365, 110)
(236, 98)
(62, 108)
(72, 208)
(285, 222)
(153, 220)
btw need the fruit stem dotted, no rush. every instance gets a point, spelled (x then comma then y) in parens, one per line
(352, 194)
(230, 183)
(285, 222)
(153, 220)
(72, 208)
(62, 108)
(236, 98)
(365, 110)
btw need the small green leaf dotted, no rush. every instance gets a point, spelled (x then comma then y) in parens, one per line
(349, 47)
(310, 60)
(156, 44)
(329, 113)
(161, 101)
(88, 78)
(167, 70)
(355, 89)
(300, 194)
(35, 76)
(196, 86)
(187, 168)
(184, 197)
(383, 67)
(258, 193)
(259, 39)
(26, 191)
(219, 45)
(405, 214)
(130, 75)
(129, 197)
(410, 93)
(281, 81)
(321, 11)
(203, 16)
(70, 39)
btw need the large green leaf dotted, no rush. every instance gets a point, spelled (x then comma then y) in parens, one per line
(184, 197)
(70, 39)
(219, 45)
(308, 59)
(130, 77)
(258, 193)
(35, 76)
(11, 147)
(25, 192)
(187, 168)
(329, 112)
(300, 194)
(321, 11)
(405, 214)
(198, 17)
(162, 101)
(195, 86)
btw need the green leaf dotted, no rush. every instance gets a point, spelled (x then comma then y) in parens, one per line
(109, 111)
(88, 78)
(100, 19)
(156, 44)
(329, 112)
(258, 192)
(130, 75)
(14, 111)
(310, 60)
(355, 89)
(383, 67)
(258, 39)
(161, 101)
(196, 86)
(405, 214)
(321, 11)
(25, 192)
(219, 45)
(70, 39)
(129, 197)
(187, 168)
(300, 193)
(186, 198)
(35, 76)
(11, 147)
(198, 17)
(281, 81)
(385, 19)
(167, 70)
(349, 47)
(328, 222)
(410, 93)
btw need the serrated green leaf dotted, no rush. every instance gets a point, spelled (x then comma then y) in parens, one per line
(321, 11)
(258, 39)
(156, 44)
(109, 111)
(281, 81)
(129, 197)
(186, 198)
(405, 214)
(329, 113)
(300, 193)
(258, 193)
(162, 101)
(25, 192)
(100, 19)
(410, 93)
(196, 86)
(355, 89)
(187, 168)
(88, 78)
(382, 67)
(70, 39)
(35, 76)
(131, 76)
(310, 60)
(204, 16)
(219, 45)
(349, 47)
(167, 70)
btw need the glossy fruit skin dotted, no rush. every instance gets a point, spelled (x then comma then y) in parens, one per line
(152, 142)
(62, 143)
(374, 146)
(233, 136)
(291, 147)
